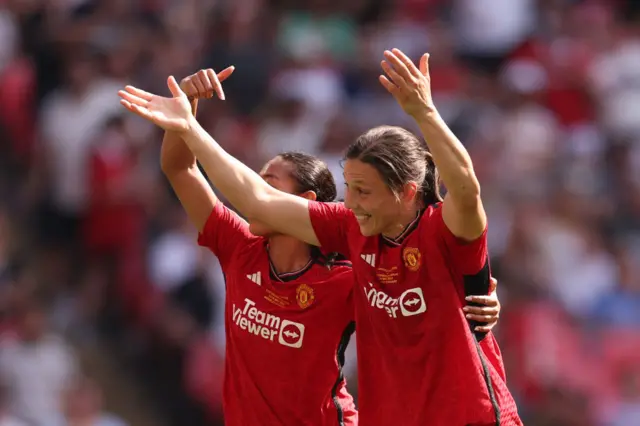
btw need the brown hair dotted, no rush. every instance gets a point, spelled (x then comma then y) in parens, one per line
(400, 157)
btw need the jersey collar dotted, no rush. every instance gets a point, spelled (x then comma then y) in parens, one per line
(405, 232)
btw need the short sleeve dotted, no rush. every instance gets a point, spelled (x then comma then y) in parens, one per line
(467, 257)
(331, 223)
(224, 232)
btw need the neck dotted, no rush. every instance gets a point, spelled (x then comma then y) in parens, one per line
(288, 254)
(403, 220)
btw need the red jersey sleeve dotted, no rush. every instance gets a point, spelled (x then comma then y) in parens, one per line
(331, 222)
(224, 232)
(467, 257)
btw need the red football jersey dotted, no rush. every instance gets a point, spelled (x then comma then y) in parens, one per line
(285, 335)
(418, 360)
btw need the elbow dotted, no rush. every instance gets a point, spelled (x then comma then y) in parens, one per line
(467, 193)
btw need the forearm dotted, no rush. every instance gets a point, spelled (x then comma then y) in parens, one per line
(244, 188)
(175, 155)
(451, 158)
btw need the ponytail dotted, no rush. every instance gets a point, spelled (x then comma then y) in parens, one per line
(431, 183)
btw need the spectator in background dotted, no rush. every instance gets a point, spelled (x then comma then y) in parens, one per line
(71, 118)
(36, 365)
(83, 405)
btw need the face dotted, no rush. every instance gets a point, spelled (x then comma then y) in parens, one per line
(276, 173)
(376, 207)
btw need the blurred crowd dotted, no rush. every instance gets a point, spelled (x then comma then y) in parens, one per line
(545, 94)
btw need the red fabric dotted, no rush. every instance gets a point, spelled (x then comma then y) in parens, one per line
(17, 95)
(413, 338)
(281, 336)
(111, 225)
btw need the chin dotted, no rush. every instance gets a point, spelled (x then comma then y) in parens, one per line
(368, 230)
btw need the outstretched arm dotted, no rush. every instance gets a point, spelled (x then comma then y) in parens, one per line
(247, 191)
(178, 162)
(463, 212)
(244, 188)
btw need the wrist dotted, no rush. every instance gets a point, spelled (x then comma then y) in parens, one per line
(192, 128)
(427, 116)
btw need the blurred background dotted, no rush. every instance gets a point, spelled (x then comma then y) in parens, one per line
(111, 315)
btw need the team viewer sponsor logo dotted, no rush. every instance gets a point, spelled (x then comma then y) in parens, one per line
(267, 326)
(411, 302)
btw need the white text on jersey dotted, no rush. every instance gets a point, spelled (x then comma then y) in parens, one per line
(411, 302)
(268, 326)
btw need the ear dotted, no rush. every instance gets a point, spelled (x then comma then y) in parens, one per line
(409, 192)
(309, 195)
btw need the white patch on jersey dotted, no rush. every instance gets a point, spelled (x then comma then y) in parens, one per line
(369, 258)
(256, 278)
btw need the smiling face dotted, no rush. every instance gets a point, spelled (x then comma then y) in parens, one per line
(389, 176)
(376, 207)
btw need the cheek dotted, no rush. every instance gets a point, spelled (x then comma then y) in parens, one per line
(385, 208)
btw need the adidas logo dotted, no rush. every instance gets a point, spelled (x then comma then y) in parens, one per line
(256, 278)
(369, 258)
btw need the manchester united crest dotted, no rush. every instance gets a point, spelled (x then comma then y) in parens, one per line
(412, 258)
(304, 296)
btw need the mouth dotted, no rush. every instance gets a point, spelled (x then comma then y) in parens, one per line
(363, 218)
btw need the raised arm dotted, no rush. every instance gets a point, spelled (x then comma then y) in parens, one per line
(463, 212)
(244, 188)
(178, 162)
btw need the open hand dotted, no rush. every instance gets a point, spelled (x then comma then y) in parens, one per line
(487, 314)
(172, 114)
(410, 86)
(204, 83)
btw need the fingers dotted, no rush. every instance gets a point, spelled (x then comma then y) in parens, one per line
(391, 88)
(482, 315)
(424, 65)
(189, 88)
(206, 82)
(142, 112)
(483, 300)
(202, 84)
(398, 66)
(482, 310)
(132, 99)
(139, 93)
(411, 67)
(174, 88)
(215, 83)
(226, 73)
(484, 328)
(485, 319)
(493, 285)
(396, 78)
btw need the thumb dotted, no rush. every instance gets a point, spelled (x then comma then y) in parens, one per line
(493, 285)
(175, 89)
(424, 64)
